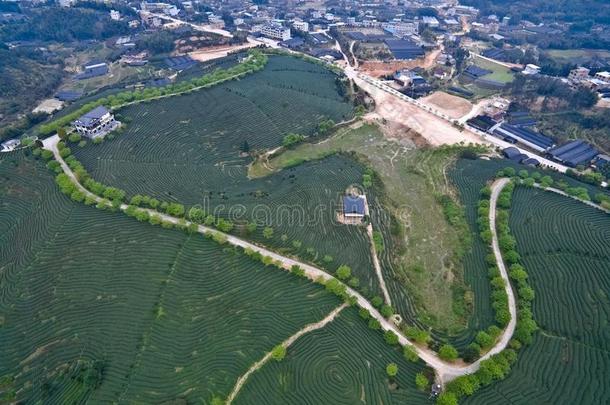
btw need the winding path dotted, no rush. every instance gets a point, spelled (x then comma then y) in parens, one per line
(445, 371)
(309, 328)
(377, 265)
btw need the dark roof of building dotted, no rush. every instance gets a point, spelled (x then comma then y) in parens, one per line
(180, 62)
(476, 71)
(524, 134)
(531, 162)
(482, 122)
(68, 95)
(404, 49)
(521, 119)
(92, 116)
(293, 42)
(494, 53)
(319, 38)
(356, 35)
(574, 153)
(511, 152)
(353, 204)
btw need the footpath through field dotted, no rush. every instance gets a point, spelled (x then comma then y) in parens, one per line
(309, 328)
(445, 371)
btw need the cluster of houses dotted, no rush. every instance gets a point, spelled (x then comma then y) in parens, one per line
(582, 77)
(520, 128)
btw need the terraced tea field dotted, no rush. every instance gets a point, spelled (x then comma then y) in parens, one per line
(565, 247)
(187, 149)
(97, 306)
(343, 363)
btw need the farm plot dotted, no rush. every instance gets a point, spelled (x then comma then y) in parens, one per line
(187, 149)
(343, 363)
(95, 306)
(565, 246)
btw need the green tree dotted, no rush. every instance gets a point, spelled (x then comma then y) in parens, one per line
(484, 340)
(268, 232)
(278, 353)
(410, 354)
(421, 381)
(344, 272)
(387, 311)
(447, 398)
(448, 352)
(391, 338)
(377, 301)
(391, 369)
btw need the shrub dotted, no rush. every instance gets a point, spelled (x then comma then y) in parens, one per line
(278, 353)
(268, 232)
(421, 381)
(448, 352)
(391, 369)
(390, 337)
(344, 272)
(410, 353)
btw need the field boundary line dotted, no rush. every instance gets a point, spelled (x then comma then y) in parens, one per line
(286, 343)
(563, 193)
(446, 371)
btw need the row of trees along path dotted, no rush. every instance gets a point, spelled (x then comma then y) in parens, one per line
(445, 371)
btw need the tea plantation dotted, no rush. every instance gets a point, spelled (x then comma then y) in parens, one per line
(97, 306)
(343, 363)
(187, 149)
(565, 246)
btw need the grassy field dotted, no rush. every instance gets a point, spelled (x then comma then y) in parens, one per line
(343, 363)
(578, 56)
(565, 247)
(97, 307)
(499, 73)
(420, 265)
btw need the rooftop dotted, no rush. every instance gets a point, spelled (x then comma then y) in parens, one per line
(353, 205)
(92, 116)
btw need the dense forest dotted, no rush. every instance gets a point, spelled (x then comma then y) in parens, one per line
(63, 25)
(579, 12)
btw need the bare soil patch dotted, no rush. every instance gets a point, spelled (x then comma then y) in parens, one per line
(450, 105)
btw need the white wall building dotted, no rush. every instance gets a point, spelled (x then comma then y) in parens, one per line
(96, 123)
(276, 31)
(578, 74)
(603, 76)
(301, 26)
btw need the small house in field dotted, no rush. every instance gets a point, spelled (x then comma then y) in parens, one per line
(354, 208)
(96, 123)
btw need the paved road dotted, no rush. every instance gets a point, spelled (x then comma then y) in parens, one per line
(198, 27)
(445, 371)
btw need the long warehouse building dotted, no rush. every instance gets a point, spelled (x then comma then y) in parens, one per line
(525, 136)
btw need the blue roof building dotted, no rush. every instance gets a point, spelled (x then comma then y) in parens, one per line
(354, 206)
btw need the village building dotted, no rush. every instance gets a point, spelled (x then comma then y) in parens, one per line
(276, 31)
(578, 74)
(354, 209)
(96, 123)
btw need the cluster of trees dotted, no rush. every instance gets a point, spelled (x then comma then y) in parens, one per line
(61, 24)
(498, 366)
(255, 62)
(156, 42)
(527, 89)
(292, 139)
(27, 74)
(499, 296)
